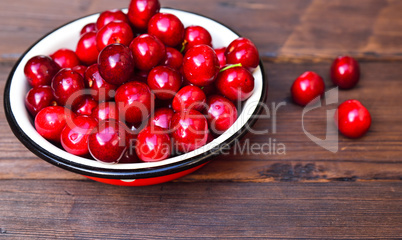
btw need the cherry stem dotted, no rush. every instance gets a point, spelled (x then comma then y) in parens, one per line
(183, 46)
(230, 66)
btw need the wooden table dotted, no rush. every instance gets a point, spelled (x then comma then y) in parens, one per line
(307, 193)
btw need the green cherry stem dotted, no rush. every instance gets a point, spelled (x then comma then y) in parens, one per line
(230, 66)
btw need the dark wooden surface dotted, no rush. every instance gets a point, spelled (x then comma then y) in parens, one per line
(306, 193)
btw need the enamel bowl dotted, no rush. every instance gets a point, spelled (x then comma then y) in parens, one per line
(132, 174)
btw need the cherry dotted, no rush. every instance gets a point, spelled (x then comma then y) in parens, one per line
(220, 53)
(352, 119)
(114, 32)
(100, 89)
(87, 50)
(134, 101)
(307, 87)
(74, 137)
(105, 111)
(80, 69)
(86, 106)
(38, 98)
(110, 16)
(107, 142)
(166, 27)
(190, 130)
(116, 64)
(345, 72)
(173, 58)
(40, 70)
(90, 27)
(139, 76)
(153, 144)
(65, 58)
(222, 113)
(50, 121)
(200, 65)
(189, 97)
(164, 82)
(67, 87)
(210, 89)
(195, 35)
(235, 83)
(129, 156)
(141, 11)
(243, 51)
(148, 51)
(162, 118)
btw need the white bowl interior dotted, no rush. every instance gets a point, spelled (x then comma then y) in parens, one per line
(68, 36)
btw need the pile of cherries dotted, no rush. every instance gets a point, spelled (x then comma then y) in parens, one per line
(138, 87)
(351, 117)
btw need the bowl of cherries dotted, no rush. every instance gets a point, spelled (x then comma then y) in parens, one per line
(135, 96)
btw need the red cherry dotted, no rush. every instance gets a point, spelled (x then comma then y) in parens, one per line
(139, 76)
(243, 51)
(50, 121)
(105, 111)
(166, 27)
(220, 53)
(99, 88)
(196, 35)
(153, 144)
(86, 106)
(107, 143)
(164, 82)
(148, 51)
(134, 101)
(74, 137)
(110, 16)
(210, 89)
(173, 58)
(80, 69)
(222, 113)
(190, 130)
(129, 156)
(65, 58)
(40, 70)
(307, 87)
(116, 64)
(86, 50)
(189, 97)
(352, 118)
(114, 32)
(141, 11)
(236, 83)
(38, 98)
(200, 65)
(162, 118)
(90, 27)
(345, 72)
(67, 87)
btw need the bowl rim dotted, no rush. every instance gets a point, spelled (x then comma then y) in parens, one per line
(140, 173)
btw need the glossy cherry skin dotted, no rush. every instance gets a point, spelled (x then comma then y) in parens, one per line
(243, 50)
(236, 84)
(74, 137)
(173, 58)
(166, 27)
(80, 69)
(105, 111)
(40, 70)
(50, 121)
(196, 35)
(68, 87)
(164, 82)
(107, 143)
(99, 88)
(110, 16)
(220, 53)
(129, 156)
(189, 97)
(352, 119)
(90, 27)
(162, 118)
(86, 106)
(153, 144)
(141, 11)
(65, 58)
(345, 72)
(38, 98)
(200, 65)
(148, 51)
(134, 101)
(114, 32)
(221, 113)
(190, 130)
(307, 87)
(87, 50)
(116, 64)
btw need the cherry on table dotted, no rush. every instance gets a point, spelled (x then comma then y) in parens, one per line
(167, 27)
(243, 50)
(67, 86)
(164, 82)
(345, 72)
(38, 98)
(110, 16)
(153, 144)
(141, 11)
(189, 97)
(221, 113)
(352, 118)
(65, 58)
(50, 121)
(236, 83)
(148, 51)
(40, 70)
(114, 32)
(87, 50)
(307, 87)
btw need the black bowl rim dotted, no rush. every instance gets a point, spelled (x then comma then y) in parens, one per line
(122, 173)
